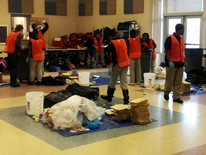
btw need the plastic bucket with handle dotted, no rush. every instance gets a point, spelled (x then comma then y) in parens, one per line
(84, 78)
(35, 102)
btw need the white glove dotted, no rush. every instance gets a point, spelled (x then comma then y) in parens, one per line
(38, 27)
(44, 22)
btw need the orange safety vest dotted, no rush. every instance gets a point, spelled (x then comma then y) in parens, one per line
(98, 44)
(10, 42)
(151, 45)
(121, 51)
(37, 49)
(177, 49)
(40, 36)
(134, 48)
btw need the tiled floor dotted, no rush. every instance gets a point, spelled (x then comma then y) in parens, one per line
(180, 128)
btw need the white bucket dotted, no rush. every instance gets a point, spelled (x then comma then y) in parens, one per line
(149, 79)
(35, 102)
(84, 78)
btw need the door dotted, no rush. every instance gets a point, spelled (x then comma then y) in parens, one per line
(39, 20)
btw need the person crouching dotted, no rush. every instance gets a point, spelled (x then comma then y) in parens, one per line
(36, 58)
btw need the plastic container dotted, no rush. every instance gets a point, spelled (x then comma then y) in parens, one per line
(84, 78)
(35, 102)
(149, 79)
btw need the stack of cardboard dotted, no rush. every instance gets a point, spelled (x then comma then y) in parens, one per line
(71, 76)
(139, 111)
(121, 112)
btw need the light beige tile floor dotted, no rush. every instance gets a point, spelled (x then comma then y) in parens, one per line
(170, 139)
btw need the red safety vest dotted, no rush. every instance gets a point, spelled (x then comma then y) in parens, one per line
(10, 42)
(37, 49)
(121, 51)
(40, 36)
(98, 44)
(177, 49)
(134, 48)
(151, 45)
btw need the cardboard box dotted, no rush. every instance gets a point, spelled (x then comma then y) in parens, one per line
(1, 79)
(185, 87)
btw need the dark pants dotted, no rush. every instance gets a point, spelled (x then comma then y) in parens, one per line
(91, 53)
(13, 62)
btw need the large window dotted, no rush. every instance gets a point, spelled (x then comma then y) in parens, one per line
(192, 29)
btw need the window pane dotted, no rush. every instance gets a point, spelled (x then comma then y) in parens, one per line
(172, 23)
(193, 32)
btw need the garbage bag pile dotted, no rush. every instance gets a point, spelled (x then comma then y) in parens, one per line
(69, 114)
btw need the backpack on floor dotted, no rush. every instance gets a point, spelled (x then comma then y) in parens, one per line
(90, 62)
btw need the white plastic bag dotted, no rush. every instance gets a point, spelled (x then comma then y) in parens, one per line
(70, 112)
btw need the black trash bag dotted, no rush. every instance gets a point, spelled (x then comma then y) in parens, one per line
(56, 97)
(53, 81)
(197, 76)
(87, 92)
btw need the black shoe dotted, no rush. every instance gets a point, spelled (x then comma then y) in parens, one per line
(126, 96)
(14, 85)
(105, 97)
(178, 100)
(30, 83)
(38, 83)
(166, 97)
(110, 93)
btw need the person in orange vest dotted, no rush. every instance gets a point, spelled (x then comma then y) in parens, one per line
(134, 45)
(13, 49)
(36, 58)
(149, 44)
(119, 64)
(174, 62)
(39, 33)
(99, 50)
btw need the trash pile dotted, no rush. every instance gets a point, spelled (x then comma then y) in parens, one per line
(72, 113)
(121, 112)
(160, 72)
(139, 111)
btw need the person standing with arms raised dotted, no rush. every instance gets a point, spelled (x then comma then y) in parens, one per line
(174, 62)
(13, 49)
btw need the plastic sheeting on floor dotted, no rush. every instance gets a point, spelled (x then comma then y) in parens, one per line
(197, 90)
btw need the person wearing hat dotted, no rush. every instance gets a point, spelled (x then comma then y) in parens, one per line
(99, 50)
(13, 49)
(36, 58)
(119, 64)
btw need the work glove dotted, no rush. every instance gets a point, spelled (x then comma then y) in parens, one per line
(38, 27)
(171, 65)
(96, 47)
(110, 70)
(186, 64)
(27, 60)
(44, 22)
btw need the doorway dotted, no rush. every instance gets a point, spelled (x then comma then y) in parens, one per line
(24, 20)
